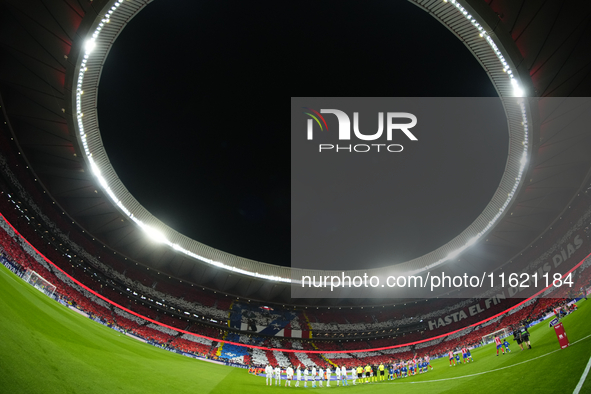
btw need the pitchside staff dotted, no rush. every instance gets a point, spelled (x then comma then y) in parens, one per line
(521, 336)
(524, 333)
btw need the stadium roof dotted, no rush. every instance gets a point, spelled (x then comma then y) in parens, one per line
(44, 44)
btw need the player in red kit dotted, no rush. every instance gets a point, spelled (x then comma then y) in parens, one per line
(499, 345)
(451, 358)
(465, 355)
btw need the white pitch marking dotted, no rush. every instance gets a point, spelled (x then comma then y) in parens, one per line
(583, 377)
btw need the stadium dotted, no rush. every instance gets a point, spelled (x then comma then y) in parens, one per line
(103, 289)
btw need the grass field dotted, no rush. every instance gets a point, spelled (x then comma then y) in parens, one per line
(47, 348)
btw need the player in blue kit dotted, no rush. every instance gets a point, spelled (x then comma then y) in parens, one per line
(506, 344)
(391, 372)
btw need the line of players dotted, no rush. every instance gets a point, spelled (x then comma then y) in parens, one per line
(367, 374)
(454, 356)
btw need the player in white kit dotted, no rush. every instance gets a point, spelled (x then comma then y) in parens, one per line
(306, 373)
(337, 372)
(328, 373)
(277, 375)
(269, 372)
(314, 376)
(298, 376)
(289, 372)
(320, 376)
(344, 375)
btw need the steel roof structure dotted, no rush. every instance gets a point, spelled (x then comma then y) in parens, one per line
(42, 49)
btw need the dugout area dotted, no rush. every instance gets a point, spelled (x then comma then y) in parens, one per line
(48, 348)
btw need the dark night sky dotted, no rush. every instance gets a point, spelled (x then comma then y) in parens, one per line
(193, 104)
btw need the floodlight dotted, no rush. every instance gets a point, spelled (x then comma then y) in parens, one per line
(517, 91)
(454, 254)
(155, 235)
(89, 45)
(523, 159)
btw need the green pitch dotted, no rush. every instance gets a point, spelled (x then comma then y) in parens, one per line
(46, 348)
